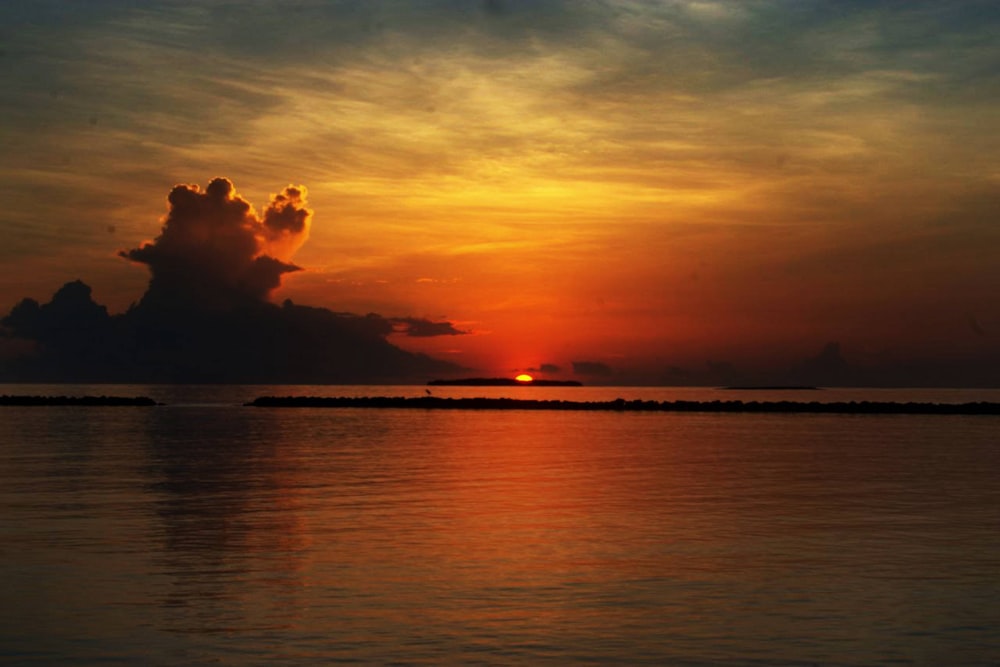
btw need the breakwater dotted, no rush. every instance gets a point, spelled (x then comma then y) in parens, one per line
(621, 405)
(90, 401)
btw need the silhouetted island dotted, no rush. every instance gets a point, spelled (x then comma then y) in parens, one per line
(621, 405)
(89, 401)
(503, 382)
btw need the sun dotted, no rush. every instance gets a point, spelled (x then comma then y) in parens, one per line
(524, 377)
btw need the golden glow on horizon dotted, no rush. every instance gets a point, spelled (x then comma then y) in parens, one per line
(524, 377)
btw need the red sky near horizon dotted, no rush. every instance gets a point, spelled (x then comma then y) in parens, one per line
(644, 185)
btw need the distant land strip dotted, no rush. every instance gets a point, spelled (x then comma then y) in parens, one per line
(777, 387)
(93, 401)
(503, 382)
(621, 405)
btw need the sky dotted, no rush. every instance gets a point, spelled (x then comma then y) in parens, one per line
(633, 191)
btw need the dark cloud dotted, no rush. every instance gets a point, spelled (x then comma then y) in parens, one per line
(418, 327)
(676, 375)
(213, 249)
(828, 368)
(70, 333)
(76, 340)
(542, 368)
(205, 316)
(495, 7)
(287, 216)
(976, 327)
(592, 368)
(723, 372)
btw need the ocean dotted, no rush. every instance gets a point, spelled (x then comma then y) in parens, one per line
(204, 532)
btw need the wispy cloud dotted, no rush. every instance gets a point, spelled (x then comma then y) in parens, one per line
(575, 146)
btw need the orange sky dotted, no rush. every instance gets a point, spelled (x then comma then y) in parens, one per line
(651, 186)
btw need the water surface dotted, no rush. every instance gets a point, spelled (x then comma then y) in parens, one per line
(204, 532)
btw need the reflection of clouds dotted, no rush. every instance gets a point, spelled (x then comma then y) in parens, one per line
(230, 519)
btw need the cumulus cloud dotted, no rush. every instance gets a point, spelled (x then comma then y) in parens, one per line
(215, 251)
(286, 221)
(205, 316)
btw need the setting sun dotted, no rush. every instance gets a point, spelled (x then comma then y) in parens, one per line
(524, 377)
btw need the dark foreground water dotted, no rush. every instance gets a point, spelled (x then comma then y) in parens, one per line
(203, 532)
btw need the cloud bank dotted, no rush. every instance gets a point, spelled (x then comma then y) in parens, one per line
(205, 316)
(214, 251)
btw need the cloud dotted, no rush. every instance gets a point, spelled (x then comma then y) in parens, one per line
(828, 367)
(214, 251)
(593, 368)
(548, 368)
(69, 332)
(205, 316)
(495, 7)
(723, 372)
(286, 221)
(418, 327)
(976, 327)
(488, 121)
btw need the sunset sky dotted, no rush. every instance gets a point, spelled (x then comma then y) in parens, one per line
(648, 188)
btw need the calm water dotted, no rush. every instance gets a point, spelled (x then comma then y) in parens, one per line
(203, 532)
